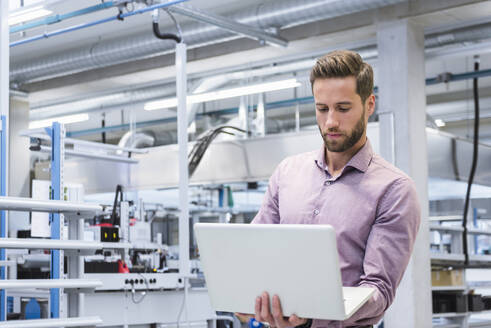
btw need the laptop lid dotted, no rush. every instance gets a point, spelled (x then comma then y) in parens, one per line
(297, 262)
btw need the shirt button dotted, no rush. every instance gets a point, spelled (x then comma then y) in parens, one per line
(316, 212)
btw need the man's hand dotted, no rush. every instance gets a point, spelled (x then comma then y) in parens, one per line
(274, 317)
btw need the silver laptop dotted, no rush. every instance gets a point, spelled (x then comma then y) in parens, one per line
(297, 262)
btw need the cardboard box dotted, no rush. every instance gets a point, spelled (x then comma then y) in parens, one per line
(447, 278)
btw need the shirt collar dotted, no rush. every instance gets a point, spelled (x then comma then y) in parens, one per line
(360, 161)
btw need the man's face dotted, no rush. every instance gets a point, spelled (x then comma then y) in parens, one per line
(341, 115)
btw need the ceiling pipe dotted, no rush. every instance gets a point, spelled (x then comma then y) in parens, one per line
(273, 14)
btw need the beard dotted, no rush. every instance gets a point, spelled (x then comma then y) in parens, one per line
(348, 140)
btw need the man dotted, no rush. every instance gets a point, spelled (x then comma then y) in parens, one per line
(371, 204)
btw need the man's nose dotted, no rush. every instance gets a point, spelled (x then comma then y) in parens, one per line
(332, 121)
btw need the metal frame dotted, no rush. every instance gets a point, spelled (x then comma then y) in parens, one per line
(3, 217)
(52, 323)
(40, 134)
(4, 112)
(101, 21)
(49, 206)
(229, 25)
(182, 137)
(21, 243)
(50, 283)
(114, 158)
(57, 133)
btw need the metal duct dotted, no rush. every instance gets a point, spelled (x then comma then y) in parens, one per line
(132, 139)
(254, 159)
(465, 34)
(278, 14)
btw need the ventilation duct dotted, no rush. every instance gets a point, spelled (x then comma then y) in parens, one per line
(133, 139)
(273, 14)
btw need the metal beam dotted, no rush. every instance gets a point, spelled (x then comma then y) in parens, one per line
(4, 135)
(28, 243)
(229, 25)
(39, 134)
(50, 206)
(52, 323)
(49, 283)
(74, 153)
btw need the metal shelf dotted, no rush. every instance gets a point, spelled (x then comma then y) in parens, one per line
(31, 243)
(447, 257)
(480, 258)
(449, 315)
(446, 325)
(446, 218)
(480, 323)
(481, 312)
(446, 228)
(457, 315)
(74, 153)
(476, 231)
(479, 284)
(448, 288)
(52, 323)
(49, 283)
(106, 245)
(50, 206)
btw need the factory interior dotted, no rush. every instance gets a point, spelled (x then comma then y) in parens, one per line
(125, 122)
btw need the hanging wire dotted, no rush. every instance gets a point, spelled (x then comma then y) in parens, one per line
(176, 23)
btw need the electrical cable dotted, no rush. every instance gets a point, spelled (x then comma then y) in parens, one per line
(144, 293)
(474, 161)
(115, 220)
(176, 24)
(180, 310)
(156, 29)
(203, 143)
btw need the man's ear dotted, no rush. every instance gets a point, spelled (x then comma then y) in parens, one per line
(370, 104)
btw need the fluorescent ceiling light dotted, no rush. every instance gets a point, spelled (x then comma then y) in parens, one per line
(24, 15)
(224, 94)
(61, 119)
(439, 123)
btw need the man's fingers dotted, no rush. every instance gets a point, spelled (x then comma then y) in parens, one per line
(265, 311)
(257, 309)
(278, 312)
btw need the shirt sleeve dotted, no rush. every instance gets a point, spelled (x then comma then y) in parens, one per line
(270, 211)
(388, 249)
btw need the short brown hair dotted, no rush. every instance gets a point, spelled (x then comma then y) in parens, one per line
(344, 63)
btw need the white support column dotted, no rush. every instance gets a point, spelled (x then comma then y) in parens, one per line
(261, 116)
(182, 140)
(402, 110)
(4, 73)
(4, 110)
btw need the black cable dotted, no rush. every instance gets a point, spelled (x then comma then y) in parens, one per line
(164, 36)
(474, 162)
(454, 160)
(115, 220)
(202, 145)
(103, 133)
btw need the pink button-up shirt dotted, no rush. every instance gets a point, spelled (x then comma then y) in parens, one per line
(373, 207)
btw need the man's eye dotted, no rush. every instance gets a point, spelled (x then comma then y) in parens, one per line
(322, 109)
(344, 109)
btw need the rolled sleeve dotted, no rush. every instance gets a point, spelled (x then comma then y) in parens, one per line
(388, 249)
